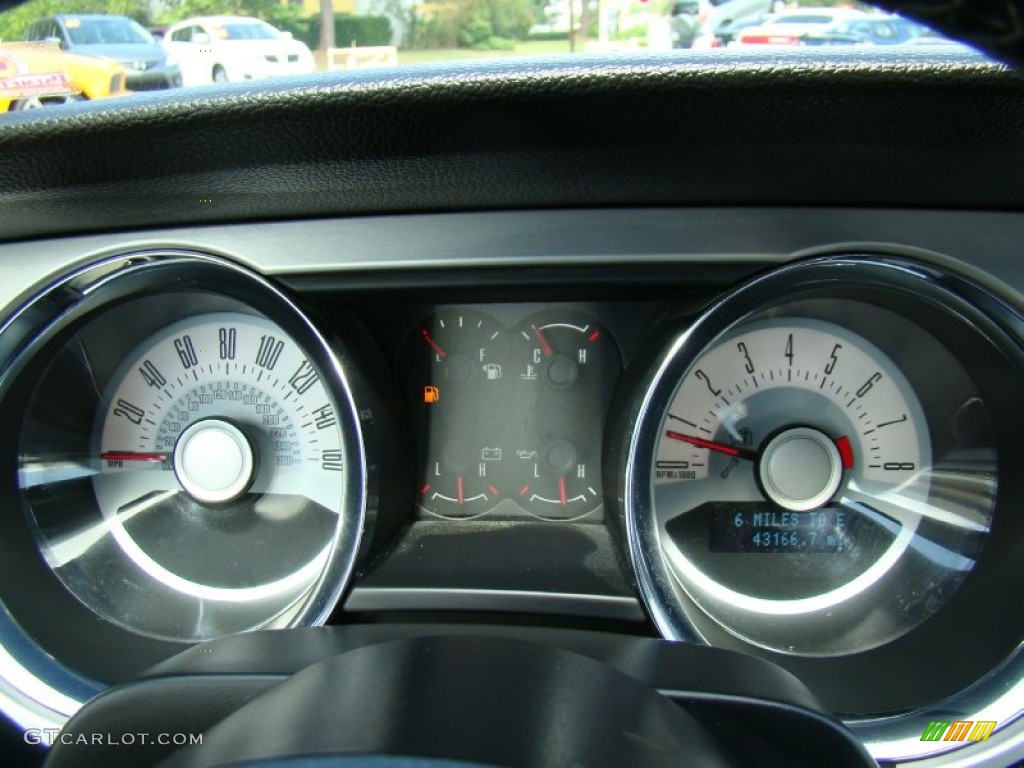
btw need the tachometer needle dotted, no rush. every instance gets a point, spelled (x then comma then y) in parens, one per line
(728, 450)
(132, 456)
(433, 344)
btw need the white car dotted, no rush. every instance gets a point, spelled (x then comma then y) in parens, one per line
(221, 49)
(788, 28)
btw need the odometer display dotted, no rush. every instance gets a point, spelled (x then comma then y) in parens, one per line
(761, 528)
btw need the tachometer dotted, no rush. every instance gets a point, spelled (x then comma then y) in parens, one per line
(800, 402)
(793, 438)
(813, 474)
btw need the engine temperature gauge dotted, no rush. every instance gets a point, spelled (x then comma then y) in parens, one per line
(567, 365)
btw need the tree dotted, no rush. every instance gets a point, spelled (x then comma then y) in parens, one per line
(326, 24)
(14, 22)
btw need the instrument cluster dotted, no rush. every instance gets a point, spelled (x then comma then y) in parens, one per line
(814, 467)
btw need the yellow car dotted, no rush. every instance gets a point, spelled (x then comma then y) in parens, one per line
(34, 75)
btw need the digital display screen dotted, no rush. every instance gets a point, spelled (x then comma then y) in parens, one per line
(756, 527)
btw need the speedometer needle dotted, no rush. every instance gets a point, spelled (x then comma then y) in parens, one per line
(728, 450)
(132, 456)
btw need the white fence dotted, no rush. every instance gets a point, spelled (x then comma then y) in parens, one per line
(361, 57)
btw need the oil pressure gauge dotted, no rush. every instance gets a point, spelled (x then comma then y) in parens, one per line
(566, 363)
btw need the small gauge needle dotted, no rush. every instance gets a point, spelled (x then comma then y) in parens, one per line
(561, 492)
(543, 342)
(458, 486)
(132, 456)
(433, 344)
(728, 450)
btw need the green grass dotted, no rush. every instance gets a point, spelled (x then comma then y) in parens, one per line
(531, 48)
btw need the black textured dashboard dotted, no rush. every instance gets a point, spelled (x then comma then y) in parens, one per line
(921, 129)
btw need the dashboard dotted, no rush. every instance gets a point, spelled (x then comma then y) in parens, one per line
(783, 428)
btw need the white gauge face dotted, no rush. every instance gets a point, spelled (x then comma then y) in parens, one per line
(221, 480)
(791, 473)
(232, 369)
(819, 375)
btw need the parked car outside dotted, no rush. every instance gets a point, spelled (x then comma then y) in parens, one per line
(874, 30)
(684, 23)
(790, 28)
(724, 34)
(718, 13)
(115, 38)
(234, 48)
(931, 39)
(34, 75)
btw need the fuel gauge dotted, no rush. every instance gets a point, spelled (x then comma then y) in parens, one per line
(455, 373)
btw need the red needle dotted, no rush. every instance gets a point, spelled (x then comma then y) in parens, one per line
(458, 485)
(728, 450)
(129, 456)
(543, 342)
(561, 491)
(433, 344)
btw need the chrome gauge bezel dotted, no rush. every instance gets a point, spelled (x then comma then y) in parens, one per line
(41, 686)
(992, 692)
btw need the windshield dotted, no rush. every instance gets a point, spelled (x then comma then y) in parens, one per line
(195, 36)
(108, 31)
(802, 18)
(246, 31)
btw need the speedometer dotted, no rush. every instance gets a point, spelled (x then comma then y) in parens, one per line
(218, 434)
(192, 459)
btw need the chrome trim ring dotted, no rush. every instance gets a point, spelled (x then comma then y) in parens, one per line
(39, 690)
(999, 694)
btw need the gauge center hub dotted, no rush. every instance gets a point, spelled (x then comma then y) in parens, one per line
(800, 469)
(214, 461)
